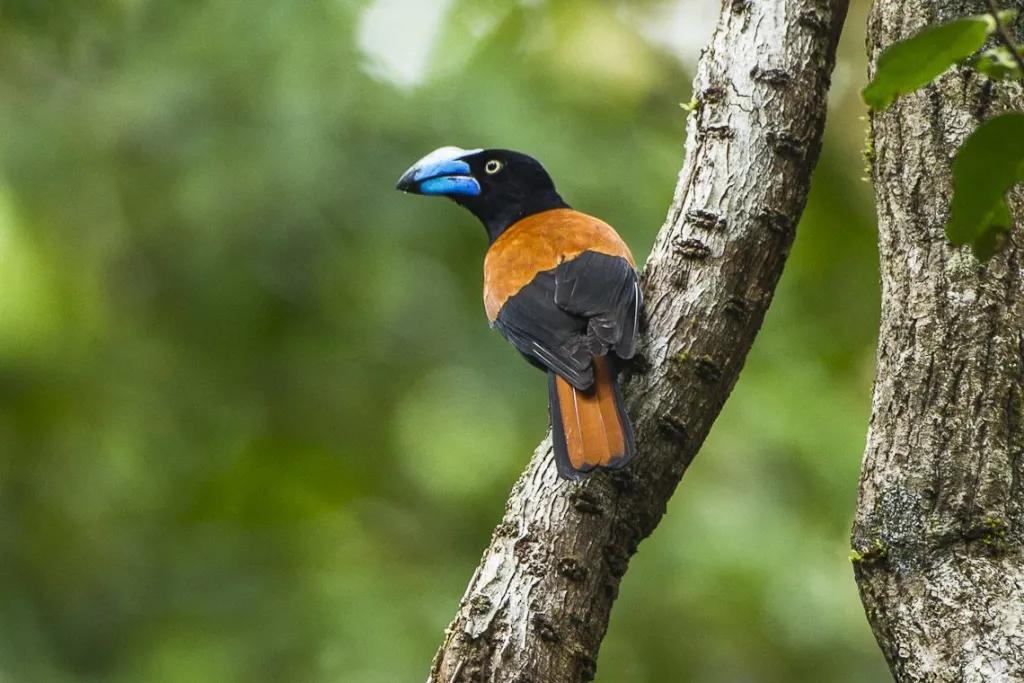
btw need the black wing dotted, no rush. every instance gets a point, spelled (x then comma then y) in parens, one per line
(587, 306)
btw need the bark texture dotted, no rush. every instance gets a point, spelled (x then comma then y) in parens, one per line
(937, 540)
(537, 607)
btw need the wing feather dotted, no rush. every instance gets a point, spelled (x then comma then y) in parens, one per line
(586, 306)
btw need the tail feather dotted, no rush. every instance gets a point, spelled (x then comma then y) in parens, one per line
(590, 428)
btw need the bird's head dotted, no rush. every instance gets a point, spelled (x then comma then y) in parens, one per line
(498, 186)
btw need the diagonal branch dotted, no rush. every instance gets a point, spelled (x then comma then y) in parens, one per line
(537, 607)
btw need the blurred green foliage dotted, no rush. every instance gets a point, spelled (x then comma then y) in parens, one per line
(253, 426)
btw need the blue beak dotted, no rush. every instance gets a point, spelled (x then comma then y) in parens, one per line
(442, 172)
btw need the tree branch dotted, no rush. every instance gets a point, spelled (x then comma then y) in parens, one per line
(938, 537)
(1004, 35)
(537, 607)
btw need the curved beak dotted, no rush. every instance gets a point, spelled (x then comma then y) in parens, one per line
(442, 172)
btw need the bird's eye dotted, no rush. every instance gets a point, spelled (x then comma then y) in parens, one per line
(492, 166)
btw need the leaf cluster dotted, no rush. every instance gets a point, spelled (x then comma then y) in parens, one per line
(991, 159)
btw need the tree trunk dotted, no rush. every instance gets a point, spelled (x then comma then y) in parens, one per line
(937, 540)
(537, 607)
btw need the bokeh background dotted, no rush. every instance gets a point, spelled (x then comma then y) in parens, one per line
(253, 425)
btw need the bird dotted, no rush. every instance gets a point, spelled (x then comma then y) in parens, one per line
(560, 285)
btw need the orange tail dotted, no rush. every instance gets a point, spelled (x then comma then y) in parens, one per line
(590, 428)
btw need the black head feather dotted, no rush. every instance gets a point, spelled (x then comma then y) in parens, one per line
(512, 186)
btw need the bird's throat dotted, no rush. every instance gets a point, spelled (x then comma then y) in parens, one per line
(498, 214)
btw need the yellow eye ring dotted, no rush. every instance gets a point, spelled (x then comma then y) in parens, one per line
(492, 167)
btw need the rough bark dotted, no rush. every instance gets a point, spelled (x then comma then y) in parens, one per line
(537, 607)
(937, 541)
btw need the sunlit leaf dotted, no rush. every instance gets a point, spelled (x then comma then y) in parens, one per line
(909, 64)
(989, 163)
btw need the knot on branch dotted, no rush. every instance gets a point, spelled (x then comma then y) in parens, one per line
(870, 555)
(813, 21)
(712, 95)
(586, 665)
(672, 428)
(775, 77)
(692, 249)
(545, 628)
(719, 131)
(737, 308)
(585, 502)
(709, 220)
(480, 604)
(505, 529)
(786, 144)
(708, 370)
(622, 480)
(775, 221)
(570, 568)
(991, 532)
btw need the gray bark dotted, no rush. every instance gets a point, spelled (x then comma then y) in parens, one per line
(537, 607)
(937, 540)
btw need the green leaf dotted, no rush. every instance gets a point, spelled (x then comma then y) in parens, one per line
(987, 165)
(909, 64)
(998, 64)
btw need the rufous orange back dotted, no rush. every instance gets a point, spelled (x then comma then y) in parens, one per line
(540, 242)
